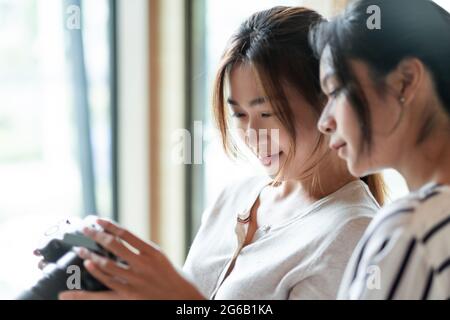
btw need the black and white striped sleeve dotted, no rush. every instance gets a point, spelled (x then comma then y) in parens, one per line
(394, 267)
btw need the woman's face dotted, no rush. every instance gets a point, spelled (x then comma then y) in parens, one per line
(340, 122)
(261, 130)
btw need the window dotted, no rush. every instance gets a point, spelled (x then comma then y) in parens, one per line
(55, 125)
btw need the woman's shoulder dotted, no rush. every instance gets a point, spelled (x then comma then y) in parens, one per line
(352, 202)
(422, 218)
(357, 193)
(343, 217)
(417, 212)
(413, 230)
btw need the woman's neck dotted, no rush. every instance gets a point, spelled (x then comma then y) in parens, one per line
(330, 174)
(428, 162)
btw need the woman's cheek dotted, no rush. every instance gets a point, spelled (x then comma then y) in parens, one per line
(347, 122)
(239, 129)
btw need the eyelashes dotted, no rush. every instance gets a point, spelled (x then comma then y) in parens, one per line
(335, 93)
(240, 115)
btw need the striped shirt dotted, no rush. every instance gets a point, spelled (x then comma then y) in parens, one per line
(405, 252)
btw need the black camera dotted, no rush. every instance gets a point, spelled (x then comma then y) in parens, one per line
(65, 270)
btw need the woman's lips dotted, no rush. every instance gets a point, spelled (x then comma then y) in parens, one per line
(340, 149)
(337, 146)
(267, 160)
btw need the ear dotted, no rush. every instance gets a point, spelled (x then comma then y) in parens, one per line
(406, 79)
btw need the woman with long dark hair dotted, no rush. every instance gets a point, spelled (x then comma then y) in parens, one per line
(388, 88)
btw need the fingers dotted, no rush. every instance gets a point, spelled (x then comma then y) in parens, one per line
(127, 236)
(42, 264)
(111, 282)
(110, 243)
(87, 295)
(108, 266)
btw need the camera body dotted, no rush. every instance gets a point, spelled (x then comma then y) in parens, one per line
(59, 251)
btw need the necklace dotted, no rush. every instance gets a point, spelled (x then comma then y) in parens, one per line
(275, 183)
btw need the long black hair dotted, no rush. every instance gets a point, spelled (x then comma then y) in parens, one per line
(409, 29)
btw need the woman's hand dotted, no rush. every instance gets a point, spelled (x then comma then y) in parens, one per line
(146, 274)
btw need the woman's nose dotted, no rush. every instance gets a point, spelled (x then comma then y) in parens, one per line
(252, 138)
(326, 124)
(256, 136)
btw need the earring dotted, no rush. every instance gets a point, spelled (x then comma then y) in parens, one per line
(402, 100)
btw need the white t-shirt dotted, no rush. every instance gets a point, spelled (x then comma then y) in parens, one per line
(301, 257)
(405, 252)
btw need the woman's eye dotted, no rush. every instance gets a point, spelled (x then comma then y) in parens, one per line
(266, 115)
(238, 115)
(334, 93)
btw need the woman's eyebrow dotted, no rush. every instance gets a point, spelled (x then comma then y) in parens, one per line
(232, 102)
(257, 101)
(253, 103)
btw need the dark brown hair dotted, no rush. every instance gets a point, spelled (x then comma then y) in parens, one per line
(275, 44)
(408, 28)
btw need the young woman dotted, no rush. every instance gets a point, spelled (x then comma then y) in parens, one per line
(389, 106)
(287, 235)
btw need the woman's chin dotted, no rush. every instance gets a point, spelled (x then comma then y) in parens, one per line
(356, 170)
(276, 173)
(272, 172)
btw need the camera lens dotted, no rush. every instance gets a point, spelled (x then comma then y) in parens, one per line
(55, 280)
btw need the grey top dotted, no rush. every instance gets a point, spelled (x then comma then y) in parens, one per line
(302, 256)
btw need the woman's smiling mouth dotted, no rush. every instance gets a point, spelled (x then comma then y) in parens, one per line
(268, 160)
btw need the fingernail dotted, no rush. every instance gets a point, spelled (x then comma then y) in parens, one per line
(88, 231)
(88, 264)
(101, 222)
(42, 264)
(82, 252)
